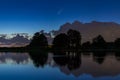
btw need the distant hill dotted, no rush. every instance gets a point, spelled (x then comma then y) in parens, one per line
(109, 30)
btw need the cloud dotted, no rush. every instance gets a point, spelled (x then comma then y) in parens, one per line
(17, 40)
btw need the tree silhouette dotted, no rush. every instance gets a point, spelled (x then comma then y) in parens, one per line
(61, 41)
(117, 43)
(38, 41)
(75, 38)
(99, 42)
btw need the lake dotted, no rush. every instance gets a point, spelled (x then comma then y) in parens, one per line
(60, 66)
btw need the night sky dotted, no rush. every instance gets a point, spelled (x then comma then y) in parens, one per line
(30, 16)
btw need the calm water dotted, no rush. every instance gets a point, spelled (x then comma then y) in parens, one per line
(60, 66)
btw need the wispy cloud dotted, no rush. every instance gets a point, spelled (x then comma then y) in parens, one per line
(60, 11)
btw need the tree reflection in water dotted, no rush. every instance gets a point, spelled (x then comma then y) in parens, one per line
(99, 57)
(39, 58)
(117, 56)
(70, 59)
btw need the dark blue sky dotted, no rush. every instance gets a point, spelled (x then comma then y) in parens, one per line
(33, 15)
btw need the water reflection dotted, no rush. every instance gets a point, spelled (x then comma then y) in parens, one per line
(38, 58)
(99, 57)
(117, 55)
(70, 59)
(14, 58)
(97, 64)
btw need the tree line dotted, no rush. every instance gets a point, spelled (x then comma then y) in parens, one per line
(72, 41)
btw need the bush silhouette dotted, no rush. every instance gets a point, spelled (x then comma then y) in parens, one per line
(86, 45)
